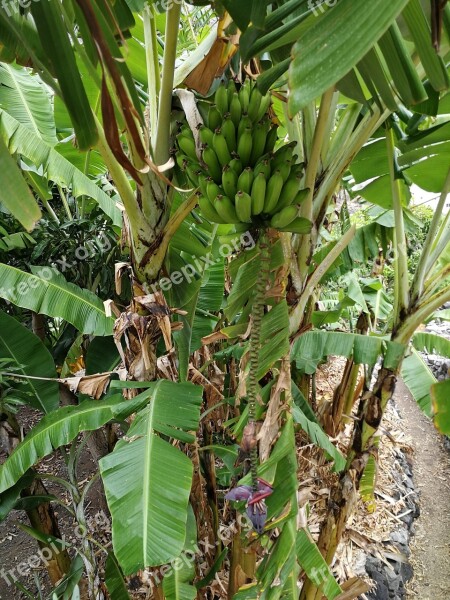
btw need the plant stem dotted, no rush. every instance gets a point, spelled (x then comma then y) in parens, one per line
(424, 310)
(153, 74)
(165, 97)
(400, 262)
(119, 176)
(425, 262)
(255, 343)
(65, 203)
(297, 314)
(312, 169)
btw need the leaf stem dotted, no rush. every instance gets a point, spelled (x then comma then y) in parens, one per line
(165, 98)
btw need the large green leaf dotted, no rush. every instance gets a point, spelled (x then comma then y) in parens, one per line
(23, 96)
(25, 142)
(312, 347)
(313, 563)
(29, 356)
(335, 42)
(419, 379)
(61, 427)
(148, 481)
(275, 333)
(433, 344)
(176, 583)
(46, 291)
(15, 195)
(440, 396)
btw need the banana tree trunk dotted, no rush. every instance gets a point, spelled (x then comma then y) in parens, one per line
(344, 496)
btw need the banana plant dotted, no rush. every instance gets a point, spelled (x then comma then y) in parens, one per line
(124, 116)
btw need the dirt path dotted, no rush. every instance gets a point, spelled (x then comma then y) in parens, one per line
(431, 543)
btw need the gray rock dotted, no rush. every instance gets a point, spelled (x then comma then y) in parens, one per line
(400, 536)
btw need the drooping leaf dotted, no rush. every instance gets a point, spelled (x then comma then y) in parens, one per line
(61, 427)
(23, 141)
(29, 356)
(23, 96)
(440, 396)
(148, 481)
(312, 347)
(46, 291)
(419, 379)
(15, 195)
(433, 344)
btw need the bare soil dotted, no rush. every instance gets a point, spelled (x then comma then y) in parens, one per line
(431, 466)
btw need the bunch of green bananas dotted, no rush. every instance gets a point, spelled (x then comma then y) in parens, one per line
(241, 179)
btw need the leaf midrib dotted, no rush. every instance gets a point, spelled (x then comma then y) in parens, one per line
(22, 97)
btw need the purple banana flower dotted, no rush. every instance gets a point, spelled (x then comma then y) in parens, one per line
(256, 506)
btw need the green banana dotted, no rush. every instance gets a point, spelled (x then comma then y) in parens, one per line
(212, 162)
(263, 167)
(182, 159)
(259, 141)
(254, 104)
(298, 225)
(235, 110)
(231, 89)
(271, 139)
(244, 147)
(205, 134)
(208, 210)
(193, 172)
(289, 191)
(285, 170)
(284, 217)
(301, 196)
(283, 154)
(245, 123)
(245, 180)
(213, 190)
(258, 193)
(243, 204)
(244, 96)
(264, 106)
(236, 165)
(214, 118)
(229, 181)
(221, 99)
(226, 209)
(202, 183)
(187, 146)
(274, 187)
(229, 132)
(221, 147)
